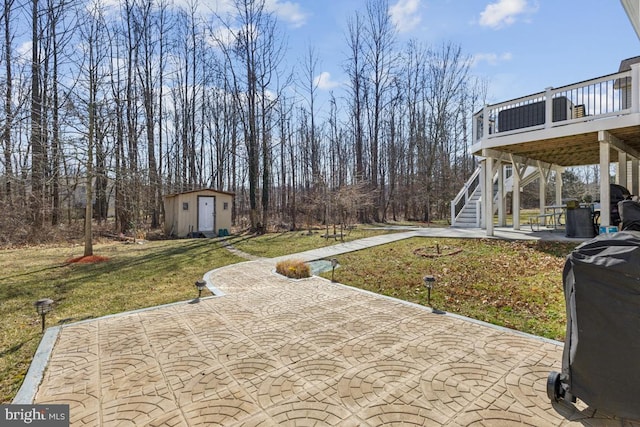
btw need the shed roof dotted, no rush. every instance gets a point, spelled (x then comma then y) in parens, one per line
(200, 190)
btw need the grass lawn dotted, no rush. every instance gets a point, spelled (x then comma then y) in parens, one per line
(512, 284)
(134, 276)
(280, 244)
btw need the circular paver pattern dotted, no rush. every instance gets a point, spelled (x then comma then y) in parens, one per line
(299, 353)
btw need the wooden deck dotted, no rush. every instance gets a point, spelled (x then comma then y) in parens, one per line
(595, 122)
(570, 135)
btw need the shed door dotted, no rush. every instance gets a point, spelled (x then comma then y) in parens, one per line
(206, 213)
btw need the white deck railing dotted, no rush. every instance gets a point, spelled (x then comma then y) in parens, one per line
(463, 196)
(606, 96)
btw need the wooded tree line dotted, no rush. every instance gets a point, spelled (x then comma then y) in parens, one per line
(122, 104)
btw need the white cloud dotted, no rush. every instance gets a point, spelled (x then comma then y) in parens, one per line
(324, 82)
(288, 11)
(490, 58)
(222, 36)
(24, 49)
(404, 14)
(504, 12)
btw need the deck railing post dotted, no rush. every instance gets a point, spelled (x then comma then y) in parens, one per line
(453, 213)
(548, 108)
(474, 128)
(485, 121)
(635, 88)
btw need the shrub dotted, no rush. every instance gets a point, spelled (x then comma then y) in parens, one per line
(293, 268)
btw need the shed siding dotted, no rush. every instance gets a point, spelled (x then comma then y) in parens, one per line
(179, 222)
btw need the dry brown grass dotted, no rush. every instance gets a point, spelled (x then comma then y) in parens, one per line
(293, 268)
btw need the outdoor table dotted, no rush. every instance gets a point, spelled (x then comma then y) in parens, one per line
(555, 213)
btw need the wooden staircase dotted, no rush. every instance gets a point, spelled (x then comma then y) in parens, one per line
(464, 208)
(468, 216)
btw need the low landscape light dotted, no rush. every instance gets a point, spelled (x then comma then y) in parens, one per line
(200, 284)
(429, 281)
(43, 306)
(334, 264)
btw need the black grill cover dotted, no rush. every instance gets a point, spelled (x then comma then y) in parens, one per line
(629, 214)
(602, 347)
(617, 194)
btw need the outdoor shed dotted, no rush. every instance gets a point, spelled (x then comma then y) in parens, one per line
(204, 212)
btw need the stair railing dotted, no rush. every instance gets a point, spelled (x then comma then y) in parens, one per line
(463, 196)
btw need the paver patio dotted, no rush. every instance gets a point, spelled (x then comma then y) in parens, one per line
(273, 351)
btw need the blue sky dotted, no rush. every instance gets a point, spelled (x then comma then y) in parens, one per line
(520, 46)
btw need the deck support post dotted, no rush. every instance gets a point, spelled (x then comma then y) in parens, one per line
(519, 166)
(605, 193)
(558, 186)
(542, 195)
(480, 214)
(544, 179)
(622, 169)
(488, 195)
(502, 218)
(515, 192)
(635, 185)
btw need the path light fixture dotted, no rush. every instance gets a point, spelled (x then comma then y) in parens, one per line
(334, 264)
(429, 281)
(200, 284)
(43, 306)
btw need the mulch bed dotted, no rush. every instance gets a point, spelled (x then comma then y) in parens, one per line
(87, 259)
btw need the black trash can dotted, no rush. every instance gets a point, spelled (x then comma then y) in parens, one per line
(580, 223)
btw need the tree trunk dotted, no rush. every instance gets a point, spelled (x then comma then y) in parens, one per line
(37, 148)
(8, 105)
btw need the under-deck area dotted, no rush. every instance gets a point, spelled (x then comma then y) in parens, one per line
(595, 122)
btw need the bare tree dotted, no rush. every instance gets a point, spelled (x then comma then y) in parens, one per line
(8, 101)
(447, 73)
(254, 57)
(310, 88)
(38, 153)
(181, 114)
(381, 58)
(146, 68)
(92, 34)
(355, 69)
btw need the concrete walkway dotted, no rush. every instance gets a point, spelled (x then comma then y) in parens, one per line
(273, 351)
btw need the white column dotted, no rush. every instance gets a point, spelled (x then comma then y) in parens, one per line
(542, 193)
(622, 169)
(516, 197)
(488, 195)
(502, 220)
(483, 187)
(605, 194)
(548, 110)
(558, 187)
(635, 185)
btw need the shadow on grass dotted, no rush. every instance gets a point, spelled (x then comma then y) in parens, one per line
(32, 272)
(557, 249)
(13, 349)
(155, 263)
